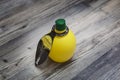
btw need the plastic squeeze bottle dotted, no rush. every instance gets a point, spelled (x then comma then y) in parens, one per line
(59, 45)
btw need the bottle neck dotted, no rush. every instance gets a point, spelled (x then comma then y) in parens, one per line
(59, 32)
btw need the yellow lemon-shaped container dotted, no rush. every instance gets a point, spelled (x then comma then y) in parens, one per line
(59, 44)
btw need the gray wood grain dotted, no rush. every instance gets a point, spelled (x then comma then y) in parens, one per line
(113, 74)
(106, 64)
(22, 20)
(97, 29)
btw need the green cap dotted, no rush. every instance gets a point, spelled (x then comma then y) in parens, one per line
(60, 24)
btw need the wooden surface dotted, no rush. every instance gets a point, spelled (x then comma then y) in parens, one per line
(96, 26)
(20, 16)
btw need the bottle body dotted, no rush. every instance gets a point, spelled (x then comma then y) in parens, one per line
(63, 47)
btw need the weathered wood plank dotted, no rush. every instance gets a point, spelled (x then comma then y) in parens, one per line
(12, 7)
(113, 74)
(105, 64)
(111, 6)
(18, 60)
(21, 22)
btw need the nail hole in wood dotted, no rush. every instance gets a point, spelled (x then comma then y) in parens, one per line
(4, 77)
(29, 47)
(24, 26)
(5, 60)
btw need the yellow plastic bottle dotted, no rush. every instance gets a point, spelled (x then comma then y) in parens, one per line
(59, 44)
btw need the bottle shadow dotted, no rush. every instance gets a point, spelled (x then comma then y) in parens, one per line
(49, 62)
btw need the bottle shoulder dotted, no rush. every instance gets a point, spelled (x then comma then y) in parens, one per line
(69, 35)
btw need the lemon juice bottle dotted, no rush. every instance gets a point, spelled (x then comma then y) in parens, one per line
(59, 45)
